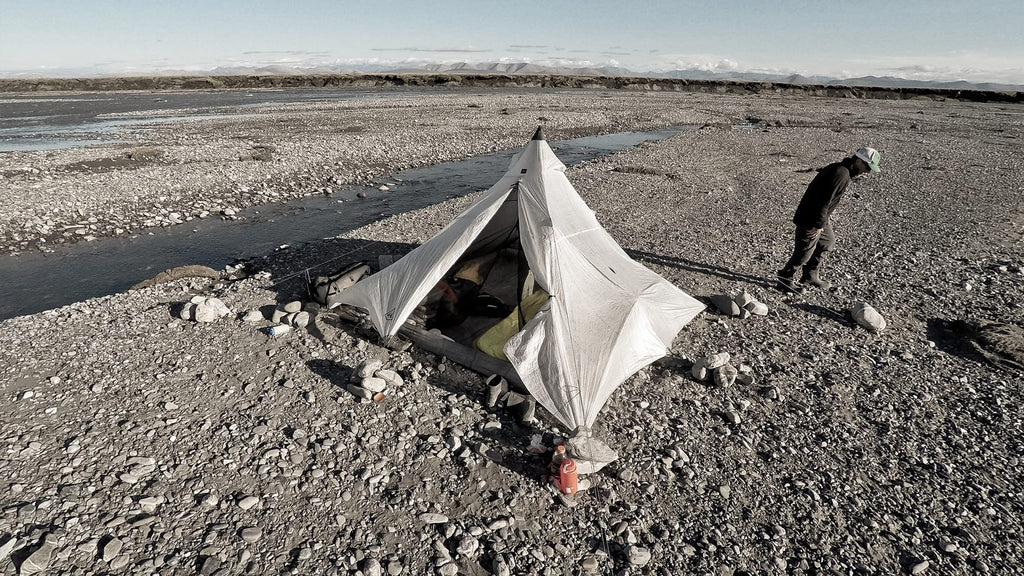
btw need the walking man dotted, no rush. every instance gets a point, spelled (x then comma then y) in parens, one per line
(814, 235)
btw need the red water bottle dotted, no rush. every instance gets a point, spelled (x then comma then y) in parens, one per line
(567, 479)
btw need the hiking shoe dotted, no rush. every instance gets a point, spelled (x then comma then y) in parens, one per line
(788, 284)
(496, 388)
(811, 277)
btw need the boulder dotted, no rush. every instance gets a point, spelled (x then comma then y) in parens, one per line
(866, 315)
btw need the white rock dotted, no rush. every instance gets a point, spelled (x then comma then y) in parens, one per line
(743, 299)
(253, 317)
(713, 361)
(374, 384)
(865, 315)
(390, 376)
(433, 518)
(756, 308)
(700, 370)
(638, 555)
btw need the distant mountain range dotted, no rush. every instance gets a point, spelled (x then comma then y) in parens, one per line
(535, 69)
(523, 68)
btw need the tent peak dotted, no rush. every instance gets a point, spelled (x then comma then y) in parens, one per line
(539, 134)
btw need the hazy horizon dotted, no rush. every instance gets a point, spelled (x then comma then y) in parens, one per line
(915, 39)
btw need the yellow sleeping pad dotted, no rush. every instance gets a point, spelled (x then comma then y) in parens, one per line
(492, 341)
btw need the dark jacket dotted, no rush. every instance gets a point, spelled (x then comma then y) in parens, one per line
(823, 195)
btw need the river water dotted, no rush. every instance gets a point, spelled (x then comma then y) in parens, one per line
(33, 282)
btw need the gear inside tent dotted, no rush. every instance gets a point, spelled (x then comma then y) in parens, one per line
(528, 284)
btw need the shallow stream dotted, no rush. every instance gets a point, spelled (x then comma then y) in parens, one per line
(33, 282)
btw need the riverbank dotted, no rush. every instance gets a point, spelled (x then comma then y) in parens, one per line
(138, 442)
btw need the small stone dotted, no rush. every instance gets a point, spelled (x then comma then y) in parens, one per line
(112, 548)
(390, 376)
(6, 547)
(743, 299)
(305, 553)
(368, 368)
(248, 502)
(293, 306)
(732, 417)
(210, 565)
(700, 370)
(713, 361)
(757, 308)
(374, 384)
(433, 518)
(372, 567)
(725, 375)
(865, 315)
(638, 555)
(590, 564)
(920, 567)
(251, 534)
(468, 546)
(253, 317)
(39, 560)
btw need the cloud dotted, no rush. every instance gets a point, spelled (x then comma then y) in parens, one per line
(467, 50)
(960, 65)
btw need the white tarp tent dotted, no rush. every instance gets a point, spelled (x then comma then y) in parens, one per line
(607, 316)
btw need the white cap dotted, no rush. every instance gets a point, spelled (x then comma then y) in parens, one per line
(871, 157)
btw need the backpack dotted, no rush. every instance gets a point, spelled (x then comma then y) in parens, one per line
(324, 288)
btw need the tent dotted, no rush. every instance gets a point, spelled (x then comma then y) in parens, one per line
(606, 315)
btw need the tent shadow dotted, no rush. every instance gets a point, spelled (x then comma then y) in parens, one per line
(698, 267)
(504, 446)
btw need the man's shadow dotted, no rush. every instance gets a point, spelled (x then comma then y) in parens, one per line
(699, 268)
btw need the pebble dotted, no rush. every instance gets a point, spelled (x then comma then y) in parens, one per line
(111, 549)
(468, 546)
(433, 518)
(248, 502)
(590, 564)
(251, 534)
(920, 567)
(39, 560)
(638, 556)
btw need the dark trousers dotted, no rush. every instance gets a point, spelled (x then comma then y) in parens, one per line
(809, 249)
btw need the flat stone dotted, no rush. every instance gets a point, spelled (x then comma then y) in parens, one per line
(112, 548)
(248, 502)
(713, 361)
(251, 534)
(374, 384)
(638, 555)
(433, 518)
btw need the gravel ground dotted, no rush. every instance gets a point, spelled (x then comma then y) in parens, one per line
(135, 442)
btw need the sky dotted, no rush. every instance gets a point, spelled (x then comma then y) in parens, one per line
(973, 40)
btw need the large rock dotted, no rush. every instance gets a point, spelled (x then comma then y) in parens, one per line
(866, 315)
